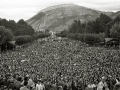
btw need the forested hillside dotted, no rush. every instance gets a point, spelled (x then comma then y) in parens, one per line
(93, 31)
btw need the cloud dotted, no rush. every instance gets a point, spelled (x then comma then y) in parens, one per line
(18, 12)
(102, 5)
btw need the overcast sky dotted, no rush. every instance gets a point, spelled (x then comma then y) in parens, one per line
(24, 9)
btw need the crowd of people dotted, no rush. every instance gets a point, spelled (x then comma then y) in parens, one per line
(61, 64)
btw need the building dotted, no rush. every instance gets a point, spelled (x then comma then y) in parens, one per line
(112, 42)
(7, 46)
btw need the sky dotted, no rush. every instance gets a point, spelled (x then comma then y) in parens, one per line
(25, 9)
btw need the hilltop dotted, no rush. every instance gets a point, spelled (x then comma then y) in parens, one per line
(60, 17)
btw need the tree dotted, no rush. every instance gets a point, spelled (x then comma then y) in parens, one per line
(90, 27)
(22, 22)
(72, 28)
(117, 19)
(22, 28)
(12, 25)
(115, 30)
(104, 18)
(99, 25)
(19, 28)
(5, 35)
(77, 27)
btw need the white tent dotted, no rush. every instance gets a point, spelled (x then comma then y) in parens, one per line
(12, 42)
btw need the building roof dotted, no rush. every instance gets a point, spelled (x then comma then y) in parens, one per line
(108, 39)
(12, 42)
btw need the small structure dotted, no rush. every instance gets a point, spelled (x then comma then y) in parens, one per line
(112, 42)
(8, 46)
(42, 30)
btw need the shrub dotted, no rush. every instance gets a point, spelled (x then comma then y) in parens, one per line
(80, 37)
(73, 36)
(87, 37)
(91, 38)
(43, 35)
(62, 33)
(23, 39)
(35, 36)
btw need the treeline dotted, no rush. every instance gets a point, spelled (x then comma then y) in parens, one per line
(93, 31)
(19, 28)
(21, 32)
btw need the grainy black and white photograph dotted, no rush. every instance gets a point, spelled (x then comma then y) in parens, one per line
(59, 44)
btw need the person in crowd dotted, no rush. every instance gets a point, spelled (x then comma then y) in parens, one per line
(102, 85)
(40, 85)
(91, 86)
(117, 81)
(30, 82)
(68, 57)
(25, 86)
(26, 78)
(116, 87)
(17, 84)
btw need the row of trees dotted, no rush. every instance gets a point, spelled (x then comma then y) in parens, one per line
(19, 28)
(21, 32)
(97, 26)
(102, 25)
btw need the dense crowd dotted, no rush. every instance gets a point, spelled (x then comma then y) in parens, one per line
(64, 62)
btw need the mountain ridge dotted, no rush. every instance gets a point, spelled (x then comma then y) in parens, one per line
(60, 17)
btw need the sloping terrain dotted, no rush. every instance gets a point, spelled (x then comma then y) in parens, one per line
(115, 14)
(60, 17)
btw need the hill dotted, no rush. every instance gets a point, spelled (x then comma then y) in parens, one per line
(115, 14)
(60, 17)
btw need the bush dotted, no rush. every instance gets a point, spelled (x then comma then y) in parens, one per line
(87, 37)
(35, 36)
(20, 40)
(43, 35)
(91, 38)
(101, 36)
(80, 37)
(73, 36)
(62, 34)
